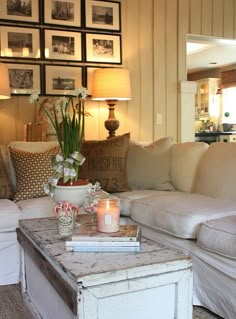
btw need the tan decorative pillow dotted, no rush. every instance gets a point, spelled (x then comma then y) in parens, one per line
(5, 186)
(148, 167)
(32, 172)
(106, 162)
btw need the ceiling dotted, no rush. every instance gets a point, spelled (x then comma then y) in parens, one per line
(205, 53)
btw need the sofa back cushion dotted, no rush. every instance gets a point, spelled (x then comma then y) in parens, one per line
(185, 158)
(216, 173)
(148, 167)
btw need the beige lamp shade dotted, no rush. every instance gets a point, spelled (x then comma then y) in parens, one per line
(111, 84)
(4, 82)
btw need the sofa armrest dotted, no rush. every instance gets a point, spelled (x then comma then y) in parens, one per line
(9, 215)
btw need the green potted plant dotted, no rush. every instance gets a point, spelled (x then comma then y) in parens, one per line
(68, 120)
(226, 126)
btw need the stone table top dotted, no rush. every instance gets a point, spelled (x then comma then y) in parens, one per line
(89, 268)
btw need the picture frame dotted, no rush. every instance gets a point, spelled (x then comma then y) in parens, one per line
(62, 12)
(62, 45)
(24, 78)
(103, 48)
(20, 42)
(62, 80)
(102, 15)
(21, 11)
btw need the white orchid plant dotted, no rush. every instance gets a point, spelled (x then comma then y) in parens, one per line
(68, 120)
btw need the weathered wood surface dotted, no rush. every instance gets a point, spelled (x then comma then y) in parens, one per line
(96, 268)
(86, 280)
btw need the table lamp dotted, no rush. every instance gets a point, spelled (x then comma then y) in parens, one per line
(4, 82)
(111, 85)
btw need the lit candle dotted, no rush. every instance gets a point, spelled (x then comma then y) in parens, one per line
(108, 216)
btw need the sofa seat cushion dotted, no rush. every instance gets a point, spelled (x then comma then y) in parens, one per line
(36, 207)
(126, 198)
(179, 214)
(9, 215)
(219, 236)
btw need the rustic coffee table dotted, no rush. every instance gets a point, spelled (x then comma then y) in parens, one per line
(153, 283)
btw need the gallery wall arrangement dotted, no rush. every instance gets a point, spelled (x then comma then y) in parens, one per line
(54, 46)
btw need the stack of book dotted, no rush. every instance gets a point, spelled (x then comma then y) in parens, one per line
(86, 238)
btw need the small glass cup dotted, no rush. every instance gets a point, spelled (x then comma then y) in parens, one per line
(66, 215)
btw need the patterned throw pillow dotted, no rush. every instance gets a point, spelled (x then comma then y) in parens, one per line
(106, 162)
(5, 187)
(32, 172)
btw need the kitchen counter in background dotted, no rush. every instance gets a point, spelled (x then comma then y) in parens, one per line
(218, 136)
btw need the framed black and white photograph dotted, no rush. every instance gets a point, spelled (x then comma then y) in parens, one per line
(20, 10)
(24, 78)
(103, 48)
(102, 15)
(62, 80)
(62, 12)
(62, 45)
(20, 42)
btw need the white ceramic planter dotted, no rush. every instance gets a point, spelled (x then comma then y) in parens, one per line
(71, 194)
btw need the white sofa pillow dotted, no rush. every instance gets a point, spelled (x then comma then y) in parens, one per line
(148, 167)
(219, 235)
(185, 158)
(179, 214)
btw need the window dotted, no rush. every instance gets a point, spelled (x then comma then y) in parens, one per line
(229, 105)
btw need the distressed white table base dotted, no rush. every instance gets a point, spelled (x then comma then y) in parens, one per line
(155, 283)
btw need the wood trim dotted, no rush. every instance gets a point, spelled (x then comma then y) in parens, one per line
(67, 293)
(228, 79)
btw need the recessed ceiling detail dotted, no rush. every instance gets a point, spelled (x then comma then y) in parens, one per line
(205, 52)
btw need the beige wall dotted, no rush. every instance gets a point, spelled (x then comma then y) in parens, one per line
(154, 37)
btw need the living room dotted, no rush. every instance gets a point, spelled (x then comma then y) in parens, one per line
(154, 52)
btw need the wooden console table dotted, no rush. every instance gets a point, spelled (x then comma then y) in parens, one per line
(153, 283)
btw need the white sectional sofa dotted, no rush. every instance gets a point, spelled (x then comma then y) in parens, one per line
(183, 195)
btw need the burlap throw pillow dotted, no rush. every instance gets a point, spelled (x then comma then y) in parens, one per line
(106, 162)
(148, 167)
(32, 172)
(5, 186)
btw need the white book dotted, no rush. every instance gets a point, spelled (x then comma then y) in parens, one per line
(89, 243)
(110, 249)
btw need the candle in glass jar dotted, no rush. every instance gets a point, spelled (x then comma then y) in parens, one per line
(108, 216)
